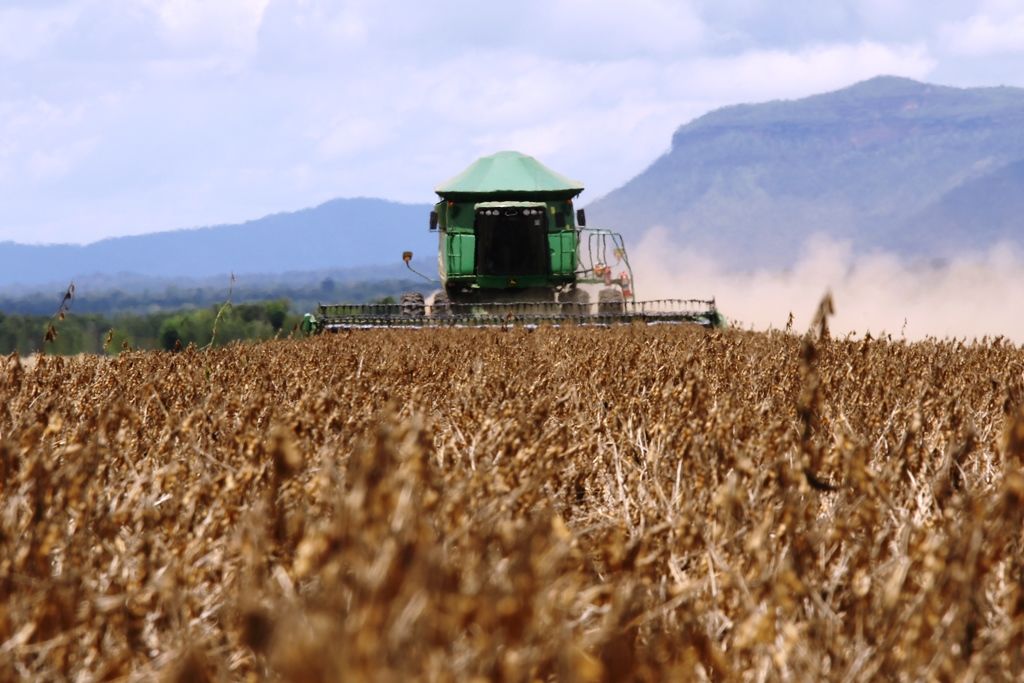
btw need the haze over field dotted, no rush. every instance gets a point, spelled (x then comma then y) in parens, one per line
(979, 293)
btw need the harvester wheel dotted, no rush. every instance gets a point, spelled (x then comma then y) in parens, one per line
(610, 301)
(575, 302)
(442, 304)
(412, 304)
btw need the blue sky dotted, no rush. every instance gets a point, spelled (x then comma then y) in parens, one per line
(129, 116)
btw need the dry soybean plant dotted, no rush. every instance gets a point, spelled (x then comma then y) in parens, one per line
(638, 503)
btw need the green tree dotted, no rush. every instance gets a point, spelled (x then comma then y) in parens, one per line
(169, 333)
(277, 312)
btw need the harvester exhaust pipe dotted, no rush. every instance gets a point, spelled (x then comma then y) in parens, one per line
(407, 257)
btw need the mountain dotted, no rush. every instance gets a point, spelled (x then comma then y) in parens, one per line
(339, 234)
(890, 163)
(981, 211)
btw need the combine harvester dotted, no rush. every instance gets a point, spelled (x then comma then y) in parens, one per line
(513, 252)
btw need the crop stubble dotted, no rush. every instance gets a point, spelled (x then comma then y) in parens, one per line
(570, 504)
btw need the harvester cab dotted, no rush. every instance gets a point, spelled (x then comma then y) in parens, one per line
(513, 249)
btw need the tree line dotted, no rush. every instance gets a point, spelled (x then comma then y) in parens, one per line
(99, 334)
(150, 296)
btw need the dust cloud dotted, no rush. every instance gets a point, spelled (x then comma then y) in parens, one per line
(971, 296)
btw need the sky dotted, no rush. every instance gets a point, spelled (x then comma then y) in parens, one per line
(131, 116)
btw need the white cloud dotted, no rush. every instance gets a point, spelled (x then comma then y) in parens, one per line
(39, 138)
(232, 20)
(984, 34)
(779, 73)
(794, 24)
(28, 33)
(315, 32)
(351, 135)
(666, 27)
(49, 164)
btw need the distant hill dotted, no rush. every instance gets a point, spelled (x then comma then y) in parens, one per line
(889, 163)
(342, 233)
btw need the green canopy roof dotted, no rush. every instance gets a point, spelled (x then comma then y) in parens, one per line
(509, 174)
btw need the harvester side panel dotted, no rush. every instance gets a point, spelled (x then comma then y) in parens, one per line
(460, 216)
(563, 252)
(461, 253)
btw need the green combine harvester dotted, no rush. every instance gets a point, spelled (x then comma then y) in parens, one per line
(512, 251)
